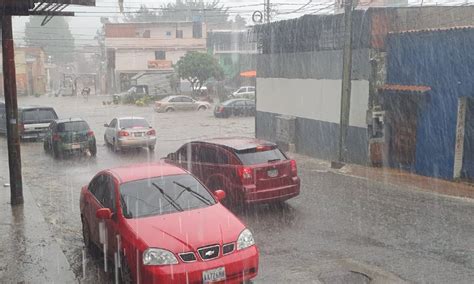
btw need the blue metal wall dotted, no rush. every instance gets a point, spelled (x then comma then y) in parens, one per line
(443, 60)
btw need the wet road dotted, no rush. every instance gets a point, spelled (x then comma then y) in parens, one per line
(338, 223)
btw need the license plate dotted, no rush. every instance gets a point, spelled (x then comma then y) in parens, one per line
(138, 134)
(214, 275)
(272, 173)
(75, 146)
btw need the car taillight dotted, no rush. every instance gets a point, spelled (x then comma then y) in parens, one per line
(151, 132)
(123, 133)
(294, 168)
(90, 133)
(56, 137)
(246, 175)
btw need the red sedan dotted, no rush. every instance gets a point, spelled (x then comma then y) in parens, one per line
(159, 224)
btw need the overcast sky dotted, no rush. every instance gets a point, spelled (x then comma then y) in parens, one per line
(87, 20)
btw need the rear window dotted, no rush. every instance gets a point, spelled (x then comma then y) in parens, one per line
(226, 103)
(255, 156)
(131, 123)
(74, 126)
(38, 116)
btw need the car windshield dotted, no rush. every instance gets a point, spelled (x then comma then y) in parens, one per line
(133, 123)
(256, 156)
(74, 126)
(163, 195)
(38, 116)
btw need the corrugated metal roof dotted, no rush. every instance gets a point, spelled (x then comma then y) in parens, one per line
(405, 88)
(459, 28)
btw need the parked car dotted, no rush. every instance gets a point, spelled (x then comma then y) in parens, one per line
(129, 132)
(237, 107)
(245, 92)
(248, 170)
(33, 121)
(175, 103)
(164, 226)
(133, 94)
(66, 136)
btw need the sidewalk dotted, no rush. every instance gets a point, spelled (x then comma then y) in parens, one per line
(396, 177)
(29, 252)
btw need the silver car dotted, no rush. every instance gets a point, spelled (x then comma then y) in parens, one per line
(129, 132)
(174, 103)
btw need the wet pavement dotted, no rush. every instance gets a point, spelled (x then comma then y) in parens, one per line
(340, 229)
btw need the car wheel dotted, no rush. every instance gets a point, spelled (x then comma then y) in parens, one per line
(56, 152)
(93, 149)
(46, 147)
(105, 141)
(151, 148)
(170, 109)
(202, 108)
(115, 147)
(86, 235)
(125, 276)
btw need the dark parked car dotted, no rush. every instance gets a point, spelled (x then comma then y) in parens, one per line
(248, 170)
(33, 121)
(237, 107)
(67, 136)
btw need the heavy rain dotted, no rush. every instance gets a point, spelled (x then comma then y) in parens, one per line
(229, 141)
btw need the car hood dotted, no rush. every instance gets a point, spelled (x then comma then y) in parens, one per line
(188, 230)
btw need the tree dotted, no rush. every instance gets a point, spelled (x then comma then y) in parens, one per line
(197, 68)
(55, 38)
(143, 14)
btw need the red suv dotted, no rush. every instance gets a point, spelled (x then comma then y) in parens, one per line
(161, 225)
(248, 170)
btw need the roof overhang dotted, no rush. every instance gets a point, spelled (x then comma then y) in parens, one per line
(40, 8)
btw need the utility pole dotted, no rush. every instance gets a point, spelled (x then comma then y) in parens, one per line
(267, 11)
(11, 109)
(346, 80)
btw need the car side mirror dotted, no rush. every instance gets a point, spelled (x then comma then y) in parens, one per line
(219, 194)
(171, 156)
(103, 213)
(106, 125)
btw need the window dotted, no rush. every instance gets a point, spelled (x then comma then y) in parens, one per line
(251, 89)
(179, 33)
(74, 126)
(254, 156)
(146, 34)
(108, 196)
(39, 115)
(168, 33)
(131, 123)
(96, 187)
(186, 100)
(175, 100)
(197, 30)
(239, 103)
(207, 154)
(160, 55)
(113, 123)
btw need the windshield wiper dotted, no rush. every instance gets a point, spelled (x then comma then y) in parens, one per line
(168, 198)
(194, 193)
(273, 160)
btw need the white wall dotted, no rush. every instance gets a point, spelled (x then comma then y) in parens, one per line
(312, 99)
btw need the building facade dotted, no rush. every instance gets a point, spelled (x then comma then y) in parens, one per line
(133, 48)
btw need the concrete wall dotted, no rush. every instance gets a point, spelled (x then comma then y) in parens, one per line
(137, 60)
(308, 86)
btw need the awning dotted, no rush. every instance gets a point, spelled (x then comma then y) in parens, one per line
(249, 74)
(404, 89)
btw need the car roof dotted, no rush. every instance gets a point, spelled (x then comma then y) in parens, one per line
(145, 171)
(235, 100)
(237, 143)
(72, 119)
(34, 107)
(130, 117)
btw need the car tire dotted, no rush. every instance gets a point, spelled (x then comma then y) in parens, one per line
(170, 109)
(105, 141)
(86, 236)
(125, 275)
(56, 152)
(151, 148)
(115, 147)
(46, 147)
(202, 108)
(93, 149)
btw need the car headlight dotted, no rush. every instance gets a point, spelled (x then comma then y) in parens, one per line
(245, 240)
(154, 256)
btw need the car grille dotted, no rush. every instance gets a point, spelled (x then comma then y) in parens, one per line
(187, 257)
(228, 248)
(208, 253)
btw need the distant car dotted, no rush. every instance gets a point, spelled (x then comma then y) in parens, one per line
(245, 92)
(66, 136)
(236, 107)
(176, 103)
(129, 132)
(163, 226)
(248, 170)
(33, 121)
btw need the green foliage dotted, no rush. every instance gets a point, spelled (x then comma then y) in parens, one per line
(197, 68)
(55, 38)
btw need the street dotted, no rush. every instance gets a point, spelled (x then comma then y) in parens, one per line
(338, 224)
